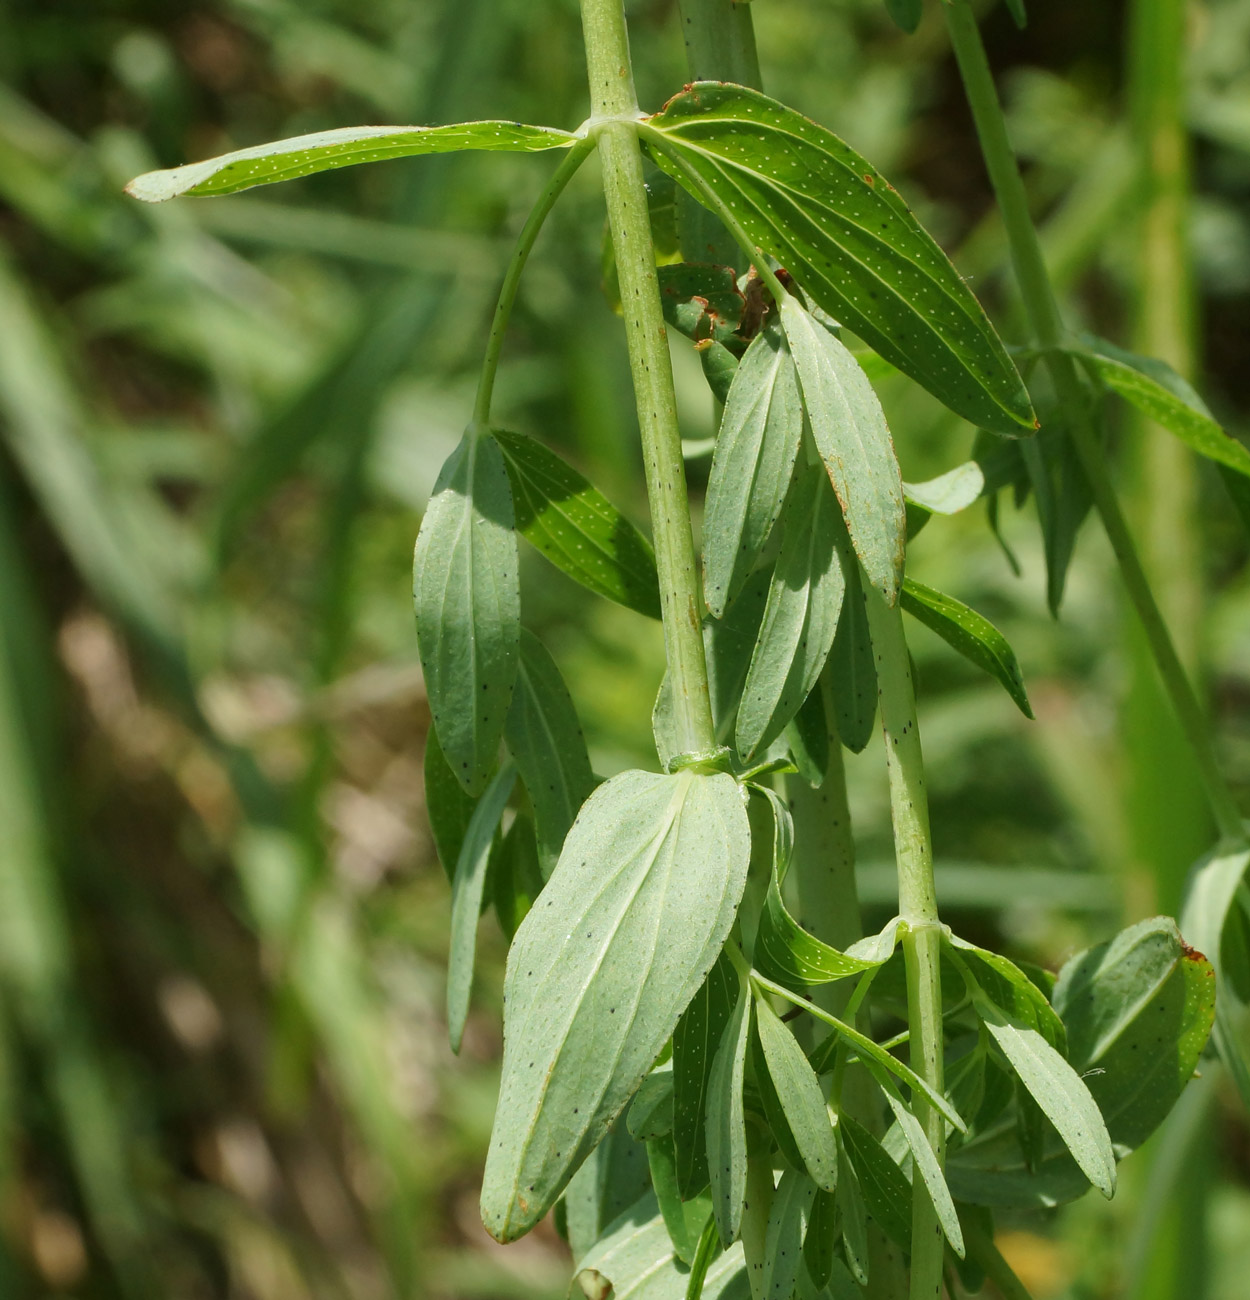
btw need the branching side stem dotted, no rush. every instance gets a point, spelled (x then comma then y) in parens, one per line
(1047, 326)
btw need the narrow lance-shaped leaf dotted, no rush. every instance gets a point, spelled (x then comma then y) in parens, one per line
(726, 1120)
(515, 874)
(800, 617)
(545, 740)
(972, 634)
(466, 898)
(883, 1184)
(636, 913)
(835, 223)
(447, 806)
(695, 1041)
(800, 1095)
(851, 671)
(302, 155)
(650, 1114)
(752, 465)
(854, 442)
(685, 1220)
(1007, 986)
(577, 528)
(787, 1226)
(854, 1215)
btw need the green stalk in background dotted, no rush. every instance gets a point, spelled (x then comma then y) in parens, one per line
(1047, 327)
(614, 110)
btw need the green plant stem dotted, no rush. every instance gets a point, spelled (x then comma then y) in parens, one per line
(614, 108)
(917, 904)
(1047, 327)
(576, 155)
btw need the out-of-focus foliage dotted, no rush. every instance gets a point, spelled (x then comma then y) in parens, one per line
(223, 1060)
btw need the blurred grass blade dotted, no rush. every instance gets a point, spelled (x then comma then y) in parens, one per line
(973, 635)
(302, 155)
(836, 224)
(575, 526)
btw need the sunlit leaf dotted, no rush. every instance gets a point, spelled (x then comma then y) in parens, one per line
(633, 918)
(575, 526)
(465, 589)
(809, 201)
(949, 493)
(882, 1183)
(1008, 987)
(302, 155)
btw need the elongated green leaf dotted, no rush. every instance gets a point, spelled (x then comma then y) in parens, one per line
(854, 442)
(695, 1041)
(1016, 9)
(613, 1178)
(949, 493)
(515, 874)
(926, 1165)
(973, 635)
(546, 742)
(800, 617)
(800, 1095)
(447, 806)
(728, 644)
(466, 897)
(852, 670)
(651, 1111)
(883, 1184)
(726, 1120)
(1156, 390)
(634, 1260)
(806, 737)
(577, 528)
(821, 1242)
(751, 466)
(1058, 1090)
(635, 915)
(301, 155)
(685, 1220)
(787, 1226)
(774, 1112)
(466, 593)
(1008, 987)
(850, 1198)
(803, 197)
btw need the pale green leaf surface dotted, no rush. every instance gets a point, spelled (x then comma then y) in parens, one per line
(1008, 987)
(949, 493)
(971, 634)
(726, 1120)
(302, 155)
(545, 740)
(752, 465)
(854, 442)
(883, 1185)
(466, 593)
(800, 616)
(831, 219)
(635, 915)
(728, 643)
(577, 528)
(685, 1220)
(650, 1113)
(611, 1180)
(800, 1095)
(787, 1226)
(467, 889)
(695, 1041)
(854, 1214)
(925, 1163)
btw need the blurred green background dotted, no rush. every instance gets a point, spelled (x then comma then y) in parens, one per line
(223, 1065)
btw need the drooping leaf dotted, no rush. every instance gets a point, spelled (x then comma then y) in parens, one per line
(800, 617)
(821, 1242)
(787, 1226)
(545, 740)
(971, 634)
(650, 1114)
(695, 1041)
(1063, 497)
(577, 528)
(447, 806)
(800, 1095)
(726, 1120)
(906, 13)
(515, 874)
(302, 155)
(752, 466)
(1156, 390)
(466, 592)
(612, 1179)
(466, 897)
(804, 198)
(852, 669)
(701, 300)
(635, 915)
(854, 442)
(685, 1220)
(882, 1183)
(705, 1253)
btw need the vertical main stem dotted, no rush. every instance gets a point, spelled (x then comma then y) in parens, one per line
(614, 103)
(917, 903)
(1047, 327)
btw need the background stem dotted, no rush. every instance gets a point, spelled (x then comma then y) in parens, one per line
(612, 96)
(1047, 327)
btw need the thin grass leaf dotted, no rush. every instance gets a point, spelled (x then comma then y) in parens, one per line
(546, 742)
(800, 195)
(726, 1120)
(577, 528)
(467, 890)
(752, 465)
(635, 915)
(302, 155)
(466, 593)
(695, 1041)
(787, 1226)
(800, 617)
(971, 634)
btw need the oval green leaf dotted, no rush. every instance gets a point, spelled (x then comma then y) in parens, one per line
(635, 915)
(467, 597)
(302, 155)
(577, 528)
(802, 196)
